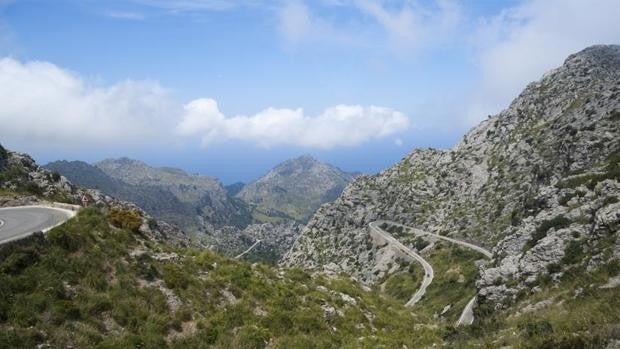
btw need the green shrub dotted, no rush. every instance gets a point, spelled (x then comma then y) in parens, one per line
(558, 222)
(55, 176)
(17, 261)
(610, 200)
(125, 219)
(401, 285)
(63, 237)
(175, 277)
(251, 337)
(573, 252)
(554, 268)
(33, 188)
(145, 268)
(536, 329)
(420, 243)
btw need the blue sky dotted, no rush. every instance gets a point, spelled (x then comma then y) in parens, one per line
(231, 88)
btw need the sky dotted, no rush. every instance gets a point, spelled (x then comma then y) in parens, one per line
(231, 88)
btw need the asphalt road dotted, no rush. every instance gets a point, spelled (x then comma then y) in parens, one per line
(19, 222)
(428, 269)
(248, 250)
(476, 248)
(467, 316)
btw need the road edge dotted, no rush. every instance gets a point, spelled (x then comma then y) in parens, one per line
(69, 210)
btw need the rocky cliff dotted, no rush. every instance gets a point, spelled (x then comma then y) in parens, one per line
(294, 189)
(538, 183)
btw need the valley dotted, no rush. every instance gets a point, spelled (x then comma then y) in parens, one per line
(507, 240)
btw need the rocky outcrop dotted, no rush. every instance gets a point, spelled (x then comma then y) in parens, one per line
(552, 153)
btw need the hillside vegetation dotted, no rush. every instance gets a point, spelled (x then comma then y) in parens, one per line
(89, 283)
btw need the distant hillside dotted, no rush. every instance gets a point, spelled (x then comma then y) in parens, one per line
(194, 202)
(235, 188)
(294, 189)
(156, 200)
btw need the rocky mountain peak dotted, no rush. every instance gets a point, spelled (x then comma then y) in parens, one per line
(295, 188)
(504, 182)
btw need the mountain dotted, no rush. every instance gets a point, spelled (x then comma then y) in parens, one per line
(294, 189)
(197, 204)
(235, 188)
(207, 201)
(539, 184)
(23, 182)
(96, 283)
(158, 201)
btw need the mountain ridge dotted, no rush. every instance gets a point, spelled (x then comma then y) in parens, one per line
(282, 189)
(488, 187)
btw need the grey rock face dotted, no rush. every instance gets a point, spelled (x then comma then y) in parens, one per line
(553, 152)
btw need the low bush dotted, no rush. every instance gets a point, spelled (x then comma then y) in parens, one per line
(610, 200)
(536, 329)
(573, 252)
(125, 219)
(558, 222)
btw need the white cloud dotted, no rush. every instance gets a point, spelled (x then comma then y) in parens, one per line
(43, 104)
(521, 43)
(342, 125)
(126, 15)
(403, 28)
(411, 26)
(297, 23)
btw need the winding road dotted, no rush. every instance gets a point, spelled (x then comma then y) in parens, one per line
(467, 316)
(428, 269)
(19, 222)
(248, 250)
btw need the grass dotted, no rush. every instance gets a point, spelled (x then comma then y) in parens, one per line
(402, 285)
(453, 282)
(86, 286)
(580, 314)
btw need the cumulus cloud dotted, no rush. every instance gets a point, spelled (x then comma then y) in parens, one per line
(341, 125)
(521, 43)
(41, 103)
